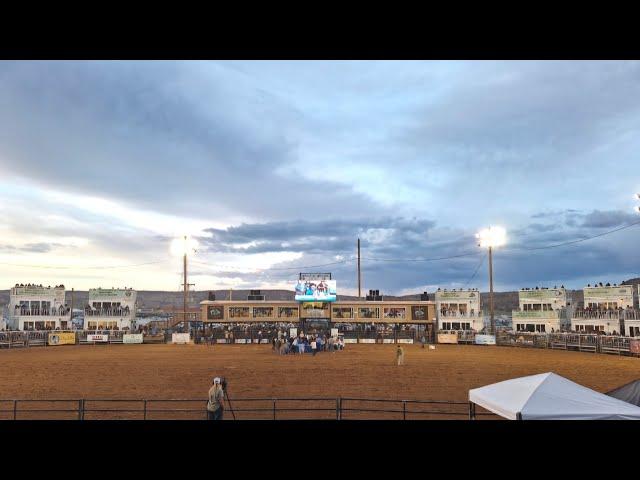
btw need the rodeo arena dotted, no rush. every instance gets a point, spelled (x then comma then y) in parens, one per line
(339, 345)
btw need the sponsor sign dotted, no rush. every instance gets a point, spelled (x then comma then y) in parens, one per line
(97, 338)
(242, 340)
(264, 340)
(387, 340)
(350, 340)
(456, 295)
(367, 340)
(447, 338)
(315, 276)
(405, 340)
(132, 338)
(608, 292)
(315, 290)
(334, 332)
(546, 294)
(634, 346)
(63, 338)
(180, 338)
(221, 340)
(485, 340)
(419, 313)
(293, 332)
(215, 312)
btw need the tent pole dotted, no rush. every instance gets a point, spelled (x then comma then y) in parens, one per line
(519, 416)
(472, 411)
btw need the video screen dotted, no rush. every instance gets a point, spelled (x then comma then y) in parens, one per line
(315, 291)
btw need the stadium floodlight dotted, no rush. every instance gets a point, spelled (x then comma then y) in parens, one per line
(489, 238)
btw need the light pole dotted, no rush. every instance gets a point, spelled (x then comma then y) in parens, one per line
(637, 197)
(183, 247)
(491, 237)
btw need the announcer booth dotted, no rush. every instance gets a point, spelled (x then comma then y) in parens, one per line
(247, 321)
(379, 321)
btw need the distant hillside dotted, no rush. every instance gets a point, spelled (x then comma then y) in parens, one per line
(503, 301)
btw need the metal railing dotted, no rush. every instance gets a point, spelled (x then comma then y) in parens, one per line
(286, 408)
(572, 341)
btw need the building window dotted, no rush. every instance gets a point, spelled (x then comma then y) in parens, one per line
(288, 312)
(261, 312)
(239, 312)
(393, 312)
(369, 312)
(342, 312)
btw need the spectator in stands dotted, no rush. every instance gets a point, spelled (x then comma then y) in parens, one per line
(314, 346)
(215, 405)
(341, 343)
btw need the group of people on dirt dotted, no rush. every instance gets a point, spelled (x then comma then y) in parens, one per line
(302, 343)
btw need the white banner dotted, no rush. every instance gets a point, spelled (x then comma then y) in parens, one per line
(221, 340)
(180, 338)
(350, 340)
(334, 332)
(367, 340)
(485, 339)
(132, 338)
(242, 340)
(97, 338)
(405, 340)
(387, 340)
(293, 332)
(265, 340)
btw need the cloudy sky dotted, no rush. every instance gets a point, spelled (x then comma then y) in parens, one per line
(278, 167)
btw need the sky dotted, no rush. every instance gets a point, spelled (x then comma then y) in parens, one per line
(277, 167)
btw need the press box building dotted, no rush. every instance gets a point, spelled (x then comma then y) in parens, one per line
(541, 310)
(110, 308)
(34, 307)
(459, 310)
(607, 309)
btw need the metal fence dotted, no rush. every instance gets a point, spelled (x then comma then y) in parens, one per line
(315, 408)
(572, 341)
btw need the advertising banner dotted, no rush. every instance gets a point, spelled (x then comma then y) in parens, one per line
(485, 340)
(97, 338)
(334, 332)
(406, 340)
(241, 340)
(634, 346)
(315, 291)
(180, 338)
(350, 340)
(447, 338)
(63, 338)
(388, 340)
(293, 332)
(367, 340)
(215, 312)
(132, 338)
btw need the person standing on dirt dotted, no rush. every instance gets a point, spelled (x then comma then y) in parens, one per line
(215, 405)
(423, 340)
(314, 346)
(400, 355)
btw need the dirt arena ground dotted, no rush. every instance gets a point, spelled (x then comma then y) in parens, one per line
(185, 371)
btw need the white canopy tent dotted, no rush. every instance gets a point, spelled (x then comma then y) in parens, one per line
(548, 396)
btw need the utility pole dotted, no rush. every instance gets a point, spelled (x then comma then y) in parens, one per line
(493, 322)
(186, 322)
(359, 272)
(71, 311)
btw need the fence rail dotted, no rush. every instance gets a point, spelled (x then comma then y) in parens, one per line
(286, 408)
(572, 341)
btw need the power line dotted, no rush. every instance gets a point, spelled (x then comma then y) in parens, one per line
(67, 267)
(420, 259)
(476, 270)
(576, 241)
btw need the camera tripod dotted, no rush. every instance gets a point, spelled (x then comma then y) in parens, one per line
(226, 395)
